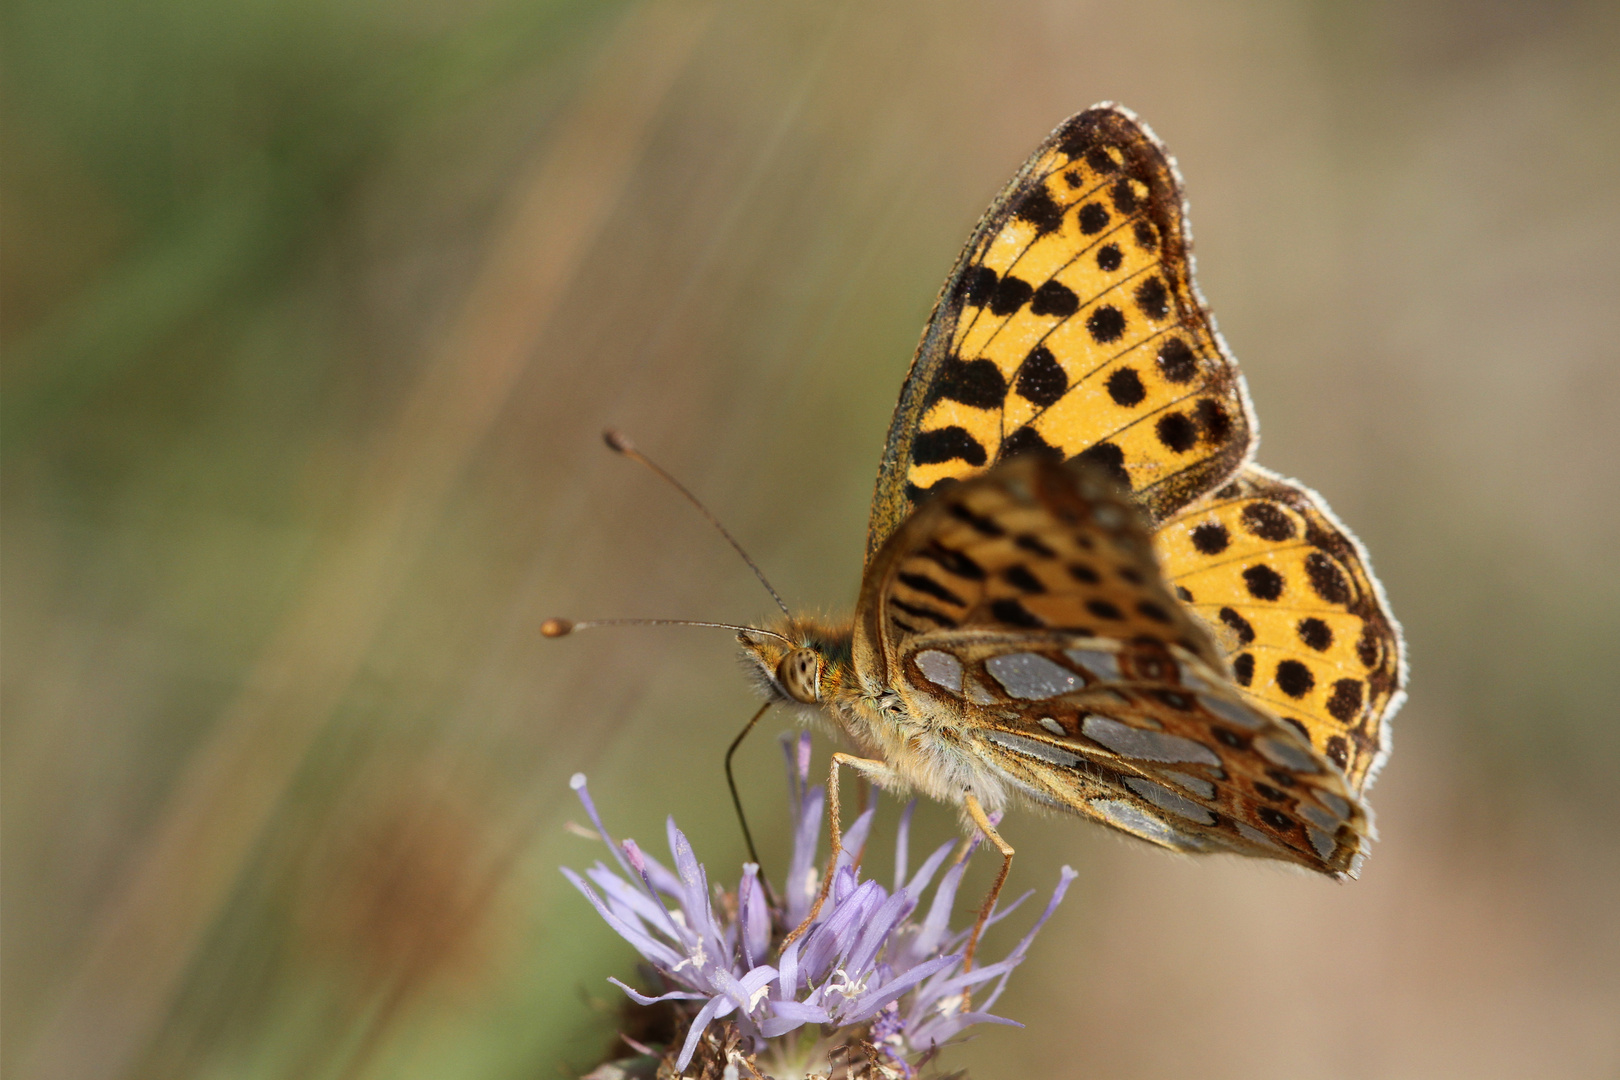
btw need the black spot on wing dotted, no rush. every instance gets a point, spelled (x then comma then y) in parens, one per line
(953, 561)
(1238, 624)
(1263, 582)
(1212, 418)
(978, 383)
(1176, 361)
(1109, 458)
(928, 586)
(1277, 819)
(1367, 646)
(1338, 751)
(1100, 161)
(1026, 440)
(1294, 678)
(1106, 324)
(922, 611)
(947, 444)
(1153, 611)
(1011, 612)
(1109, 258)
(1125, 387)
(1345, 701)
(1104, 610)
(1010, 295)
(1146, 238)
(1093, 218)
(919, 495)
(1034, 545)
(1054, 298)
(1177, 432)
(1021, 579)
(1243, 669)
(1084, 574)
(1211, 538)
(1267, 521)
(1041, 211)
(1326, 579)
(978, 285)
(1153, 298)
(1124, 197)
(978, 523)
(1041, 379)
(1315, 633)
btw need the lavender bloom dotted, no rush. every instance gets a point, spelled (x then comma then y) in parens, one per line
(864, 962)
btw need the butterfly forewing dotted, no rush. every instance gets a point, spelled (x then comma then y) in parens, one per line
(1026, 604)
(1297, 614)
(1072, 324)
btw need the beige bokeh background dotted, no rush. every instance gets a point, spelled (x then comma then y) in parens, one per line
(312, 315)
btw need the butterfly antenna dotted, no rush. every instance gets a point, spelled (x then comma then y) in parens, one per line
(555, 627)
(617, 442)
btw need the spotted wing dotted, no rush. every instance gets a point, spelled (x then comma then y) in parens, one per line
(1072, 324)
(1023, 611)
(1296, 610)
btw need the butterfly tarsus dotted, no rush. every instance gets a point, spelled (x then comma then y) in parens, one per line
(971, 804)
(871, 769)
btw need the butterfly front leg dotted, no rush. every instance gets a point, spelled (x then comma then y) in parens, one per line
(880, 774)
(975, 812)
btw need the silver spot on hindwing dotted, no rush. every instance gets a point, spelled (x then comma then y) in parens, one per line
(1030, 676)
(941, 669)
(974, 692)
(1133, 819)
(1321, 841)
(1033, 748)
(1333, 803)
(1231, 712)
(1288, 755)
(1318, 817)
(1105, 665)
(1145, 745)
(1204, 789)
(1168, 800)
(1053, 726)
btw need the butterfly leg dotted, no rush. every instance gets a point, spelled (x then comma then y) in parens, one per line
(875, 771)
(971, 804)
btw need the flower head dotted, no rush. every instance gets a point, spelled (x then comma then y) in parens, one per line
(868, 962)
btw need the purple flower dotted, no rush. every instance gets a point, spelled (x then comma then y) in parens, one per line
(866, 961)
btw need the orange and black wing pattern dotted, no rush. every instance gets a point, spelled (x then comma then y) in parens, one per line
(1071, 325)
(1296, 611)
(1023, 620)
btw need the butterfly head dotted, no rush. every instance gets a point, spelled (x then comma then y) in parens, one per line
(806, 665)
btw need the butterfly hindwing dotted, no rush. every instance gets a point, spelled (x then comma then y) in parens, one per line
(1295, 610)
(1026, 605)
(1071, 324)
(1151, 741)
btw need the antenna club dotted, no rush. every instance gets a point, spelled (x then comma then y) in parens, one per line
(617, 441)
(556, 627)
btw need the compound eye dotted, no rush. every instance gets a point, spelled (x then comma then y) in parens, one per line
(799, 674)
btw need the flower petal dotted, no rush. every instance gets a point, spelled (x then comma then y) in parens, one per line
(643, 999)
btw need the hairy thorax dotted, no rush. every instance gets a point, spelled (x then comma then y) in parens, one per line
(811, 668)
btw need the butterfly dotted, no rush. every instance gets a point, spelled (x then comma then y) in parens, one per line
(1080, 593)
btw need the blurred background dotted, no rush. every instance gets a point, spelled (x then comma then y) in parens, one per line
(313, 313)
